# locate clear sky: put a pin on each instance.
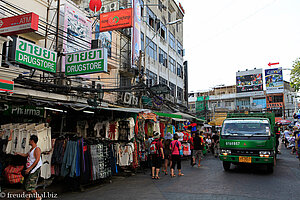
(224, 36)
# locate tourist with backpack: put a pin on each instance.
(176, 149)
(157, 154)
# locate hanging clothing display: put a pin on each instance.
(82, 127)
(162, 127)
(113, 133)
(125, 154)
(156, 127)
(100, 128)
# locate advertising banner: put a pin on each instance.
(274, 80)
(249, 81)
(19, 24)
(77, 30)
(86, 62)
(35, 56)
(136, 33)
(116, 20)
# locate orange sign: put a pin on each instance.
(275, 105)
(116, 20)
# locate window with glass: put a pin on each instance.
(151, 48)
(179, 93)
(173, 89)
(179, 48)
(163, 81)
(160, 5)
(172, 65)
(163, 57)
(246, 127)
(151, 18)
(179, 70)
(172, 41)
(162, 30)
(151, 78)
(142, 41)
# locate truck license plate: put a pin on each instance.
(244, 159)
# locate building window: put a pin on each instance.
(142, 41)
(179, 93)
(142, 7)
(172, 65)
(173, 89)
(172, 41)
(151, 78)
(163, 57)
(160, 5)
(169, 17)
(162, 31)
(179, 70)
(151, 48)
(151, 18)
(163, 81)
(179, 48)
(227, 103)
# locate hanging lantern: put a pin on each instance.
(95, 5)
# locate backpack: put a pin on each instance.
(153, 147)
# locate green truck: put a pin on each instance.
(248, 138)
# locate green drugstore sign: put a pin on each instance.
(86, 62)
(35, 56)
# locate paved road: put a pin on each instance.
(208, 182)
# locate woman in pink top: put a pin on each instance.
(175, 147)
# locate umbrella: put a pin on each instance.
(284, 121)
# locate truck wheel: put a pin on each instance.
(226, 165)
(270, 168)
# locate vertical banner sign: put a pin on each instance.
(274, 80)
(86, 62)
(77, 31)
(35, 56)
(136, 36)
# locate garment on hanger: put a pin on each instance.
(100, 127)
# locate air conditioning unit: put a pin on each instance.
(104, 9)
(114, 6)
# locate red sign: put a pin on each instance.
(19, 24)
(273, 64)
(116, 20)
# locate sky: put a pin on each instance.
(224, 36)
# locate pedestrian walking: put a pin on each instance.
(198, 149)
(175, 148)
(192, 147)
(34, 163)
(167, 155)
(157, 154)
(216, 145)
(298, 144)
(208, 142)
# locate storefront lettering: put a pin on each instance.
(23, 110)
(35, 56)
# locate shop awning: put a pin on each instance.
(132, 110)
(185, 116)
(179, 120)
(200, 120)
(168, 115)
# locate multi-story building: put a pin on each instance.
(224, 99)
